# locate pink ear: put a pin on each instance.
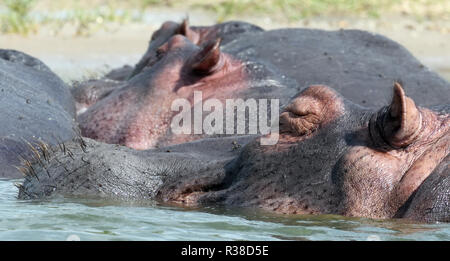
(209, 59)
(403, 120)
(186, 30)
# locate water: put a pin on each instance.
(89, 220)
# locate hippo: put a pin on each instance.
(333, 156)
(89, 92)
(227, 32)
(358, 64)
(139, 113)
(37, 108)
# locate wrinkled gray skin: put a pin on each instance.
(36, 105)
(297, 176)
(360, 65)
(112, 171)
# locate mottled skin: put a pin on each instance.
(89, 92)
(139, 113)
(333, 157)
(35, 106)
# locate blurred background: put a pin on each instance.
(85, 38)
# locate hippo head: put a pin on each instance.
(195, 34)
(161, 37)
(138, 114)
(333, 157)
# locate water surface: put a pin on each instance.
(62, 219)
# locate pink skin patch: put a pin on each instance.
(380, 178)
(139, 115)
(379, 182)
(377, 178)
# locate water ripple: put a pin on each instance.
(61, 219)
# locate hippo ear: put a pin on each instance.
(209, 59)
(402, 121)
(186, 30)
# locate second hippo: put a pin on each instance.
(264, 64)
(36, 107)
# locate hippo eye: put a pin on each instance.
(298, 125)
(301, 117)
(313, 107)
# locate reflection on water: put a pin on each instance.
(60, 219)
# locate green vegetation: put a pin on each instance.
(18, 16)
(88, 21)
(294, 10)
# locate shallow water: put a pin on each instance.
(63, 219)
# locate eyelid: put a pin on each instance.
(294, 110)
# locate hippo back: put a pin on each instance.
(360, 65)
(36, 105)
